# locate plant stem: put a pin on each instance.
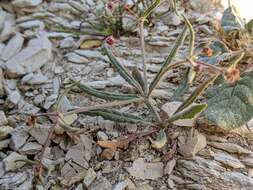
(210, 67)
(152, 108)
(144, 68)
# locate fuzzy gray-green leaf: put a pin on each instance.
(116, 116)
(250, 26)
(189, 113)
(230, 20)
(138, 77)
(230, 106)
(196, 93)
(179, 42)
(184, 85)
(121, 69)
(105, 95)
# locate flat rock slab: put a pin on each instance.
(30, 59)
(14, 161)
(230, 147)
(26, 3)
(142, 170)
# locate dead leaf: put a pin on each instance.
(113, 144)
(107, 154)
(122, 142)
(89, 44)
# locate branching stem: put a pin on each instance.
(144, 68)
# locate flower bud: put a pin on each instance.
(208, 51)
(110, 40)
(232, 75)
(110, 5)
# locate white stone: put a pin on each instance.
(30, 148)
(228, 160)
(67, 42)
(18, 139)
(26, 3)
(142, 170)
(32, 24)
(89, 177)
(5, 131)
(14, 97)
(30, 59)
(102, 136)
(169, 166)
(7, 22)
(75, 58)
(13, 47)
(3, 119)
(37, 79)
(193, 145)
(13, 161)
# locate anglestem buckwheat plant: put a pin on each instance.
(144, 90)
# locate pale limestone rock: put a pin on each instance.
(26, 3)
(13, 47)
(13, 161)
(31, 58)
(142, 170)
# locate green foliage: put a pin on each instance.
(191, 72)
(188, 113)
(179, 42)
(121, 69)
(183, 87)
(230, 106)
(249, 26)
(135, 79)
(196, 93)
(116, 116)
(150, 9)
(138, 77)
(230, 20)
(236, 33)
(105, 95)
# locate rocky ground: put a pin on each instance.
(36, 65)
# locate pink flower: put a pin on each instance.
(110, 40)
(110, 5)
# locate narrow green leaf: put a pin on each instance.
(179, 42)
(121, 69)
(150, 9)
(196, 93)
(189, 113)
(116, 116)
(105, 95)
(192, 35)
(184, 85)
(138, 77)
(250, 26)
(191, 73)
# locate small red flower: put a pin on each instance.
(110, 40)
